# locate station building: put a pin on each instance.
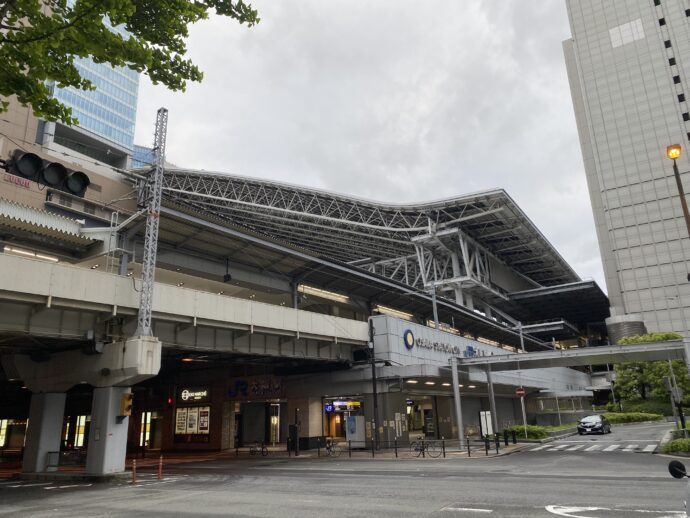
(274, 305)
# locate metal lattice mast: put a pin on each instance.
(154, 186)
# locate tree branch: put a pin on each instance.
(48, 34)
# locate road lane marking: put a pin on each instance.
(593, 448)
(630, 447)
(559, 447)
(650, 448)
(467, 510)
(541, 447)
(574, 448)
(612, 447)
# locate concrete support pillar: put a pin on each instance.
(457, 400)
(295, 294)
(469, 301)
(108, 433)
(45, 429)
(686, 345)
(492, 399)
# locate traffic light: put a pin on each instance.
(51, 174)
(126, 402)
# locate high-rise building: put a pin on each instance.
(106, 115)
(629, 69)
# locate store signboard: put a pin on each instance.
(190, 395)
(407, 343)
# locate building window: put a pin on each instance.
(689, 135)
(89, 208)
(686, 116)
(65, 201)
(657, 2)
(667, 44)
(687, 12)
(672, 61)
(662, 21)
(676, 79)
(681, 98)
(626, 33)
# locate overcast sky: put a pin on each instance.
(392, 100)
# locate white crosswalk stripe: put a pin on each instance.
(601, 447)
(559, 447)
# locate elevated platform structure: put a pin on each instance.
(478, 250)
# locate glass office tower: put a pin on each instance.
(106, 115)
(629, 69)
(110, 110)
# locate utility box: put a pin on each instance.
(354, 430)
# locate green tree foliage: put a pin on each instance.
(40, 39)
(645, 380)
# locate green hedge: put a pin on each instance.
(631, 417)
(649, 338)
(533, 431)
(677, 445)
(647, 406)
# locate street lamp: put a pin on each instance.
(673, 152)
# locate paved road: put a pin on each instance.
(522, 485)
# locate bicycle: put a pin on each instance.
(255, 449)
(427, 447)
(332, 449)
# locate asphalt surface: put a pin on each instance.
(529, 484)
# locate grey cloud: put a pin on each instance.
(392, 100)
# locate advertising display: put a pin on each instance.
(192, 420)
(204, 419)
(181, 421)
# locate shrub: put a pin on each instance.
(647, 406)
(533, 431)
(677, 445)
(631, 417)
(649, 338)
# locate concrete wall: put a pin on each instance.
(116, 294)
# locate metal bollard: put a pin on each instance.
(443, 447)
(497, 441)
(134, 471)
(237, 451)
(318, 447)
(289, 448)
(505, 437)
(514, 437)
(486, 444)
(423, 448)
(395, 445)
(373, 448)
(160, 467)
(349, 449)
(469, 453)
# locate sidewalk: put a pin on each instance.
(12, 469)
